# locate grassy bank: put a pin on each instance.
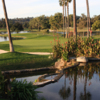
(16, 61)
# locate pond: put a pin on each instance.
(15, 32)
(4, 39)
(79, 83)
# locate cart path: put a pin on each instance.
(35, 53)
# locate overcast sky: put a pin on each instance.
(33, 8)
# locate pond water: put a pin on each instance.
(4, 39)
(79, 83)
(15, 32)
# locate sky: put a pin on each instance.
(34, 8)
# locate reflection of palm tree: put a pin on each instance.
(75, 82)
(88, 96)
(65, 93)
(8, 29)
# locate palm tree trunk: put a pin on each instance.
(66, 23)
(74, 18)
(63, 18)
(68, 17)
(7, 26)
(88, 19)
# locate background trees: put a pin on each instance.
(96, 25)
(56, 21)
(41, 22)
(17, 27)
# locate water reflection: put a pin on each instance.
(81, 83)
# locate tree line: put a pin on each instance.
(54, 22)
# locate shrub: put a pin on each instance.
(2, 81)
(81, 47)
(21, 90)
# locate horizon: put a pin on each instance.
(35, 8)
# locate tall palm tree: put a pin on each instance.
(7, 26)
(68, 1)
(74, 18)
(88, 19)
(65, 18)
(62, 3)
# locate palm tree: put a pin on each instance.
(62, 3)
(88, 19)
(65, 19)
(7, 26)
(68, 1)
(74, 18)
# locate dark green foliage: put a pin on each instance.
(21, 90)
(56, 21)
(96, 25)
(41, 22)
(26, 25)
(2, 81)
(17, 27)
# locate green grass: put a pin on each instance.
(34, 42)
(16, 61)
(3, 30)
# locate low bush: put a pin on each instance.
(81, 47)
(21, 90)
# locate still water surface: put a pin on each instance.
(2, 39)
(79, 83)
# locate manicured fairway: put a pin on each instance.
(34, 42)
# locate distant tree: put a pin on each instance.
(17, 27)
(26, 25)
(82, 22)
(41, 22)
(71, 20)
(56, 21)
(96, 25)
(2, 23)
